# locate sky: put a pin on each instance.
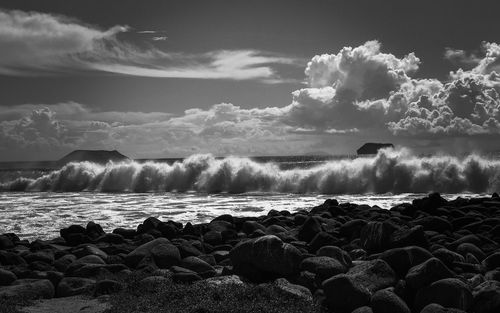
(157, 79)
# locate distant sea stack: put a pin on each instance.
(96, 156)
(372, 148)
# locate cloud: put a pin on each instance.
(45, 44)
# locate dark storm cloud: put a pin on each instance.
(45, 44)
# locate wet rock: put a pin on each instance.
(436, 308)
(426, 273)
(265, 258)
(486, 297)
(352, 229)
(309, 229)
(6, 277)
(72, 286)
(10, 258)
(5, 243)
(85, 250)
(448, 257)
(324, 267)
(343, 294)
(336, 253)
(64, 262)
(384, 301)
(94, 230)
(448, 292)
(492, 261)
(293, 290)
(320, 240)
(160, 250)
(376, 236)
(153, 282)
(434, 223)
(373, 275)
(466, 247)
(198, 266)
(402, 259)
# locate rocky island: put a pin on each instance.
(428, 256)
(372, 148)
(95, 156)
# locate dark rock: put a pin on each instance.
(5, 243)
(265, 258)
(10, 258)
(343, 294)
(373, 148)
(249, 227)
(448, 292)
(404, 237)
(375, 236)
(373, 275)
(106, 287)
(199, 266)
(111, 238)
(72, 286)
(384, 301)
(63, 262)
(363, 309)
(466, 247)
(161, 250)
(213, 237)
(186, 277)
(323, 266)
(126, 233)
(292, 290)
(6, 277)
(486, 297)
(434, 223)
(448, 257)
(153, 282)
(94, 230)
(85, 250)
(73, 233)
(492, 261)
(402, 259)
(436, 308)
(309, 229)
(336, 253)
(426, 273)
(46, 256)
(352, 229)
(320, 240)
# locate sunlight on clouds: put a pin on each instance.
(44, 44)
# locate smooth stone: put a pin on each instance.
(72, 286)
(384, 301)
(426, 273)
(6, 277)
(28, 289)
(448, 292)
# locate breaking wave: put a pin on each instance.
(390, 171)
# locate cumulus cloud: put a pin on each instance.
(45, 44)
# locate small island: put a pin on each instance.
(372, 148)
(96, 156)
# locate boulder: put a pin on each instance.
(293, 290)
(72, 286)
(448, 292)
(491, 262)
(373, 275)
(402, 259)
(198, 266)
(309, 229)
(436, 308)
(343, 294)
(447, 256)
(335, 252)
(323, 266)
(486, 297)
(426, 273)
(376, 236)
(5, 242)
(384, 301)
(466, 247)
(160, 250)
(6, 277)
(265, 258)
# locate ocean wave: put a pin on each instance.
(390, 171)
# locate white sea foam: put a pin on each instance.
(390, 171)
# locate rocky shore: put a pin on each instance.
(428, 256)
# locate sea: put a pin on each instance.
(36, 200)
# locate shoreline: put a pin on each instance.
(410, 258)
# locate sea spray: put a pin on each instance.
(390, 171)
